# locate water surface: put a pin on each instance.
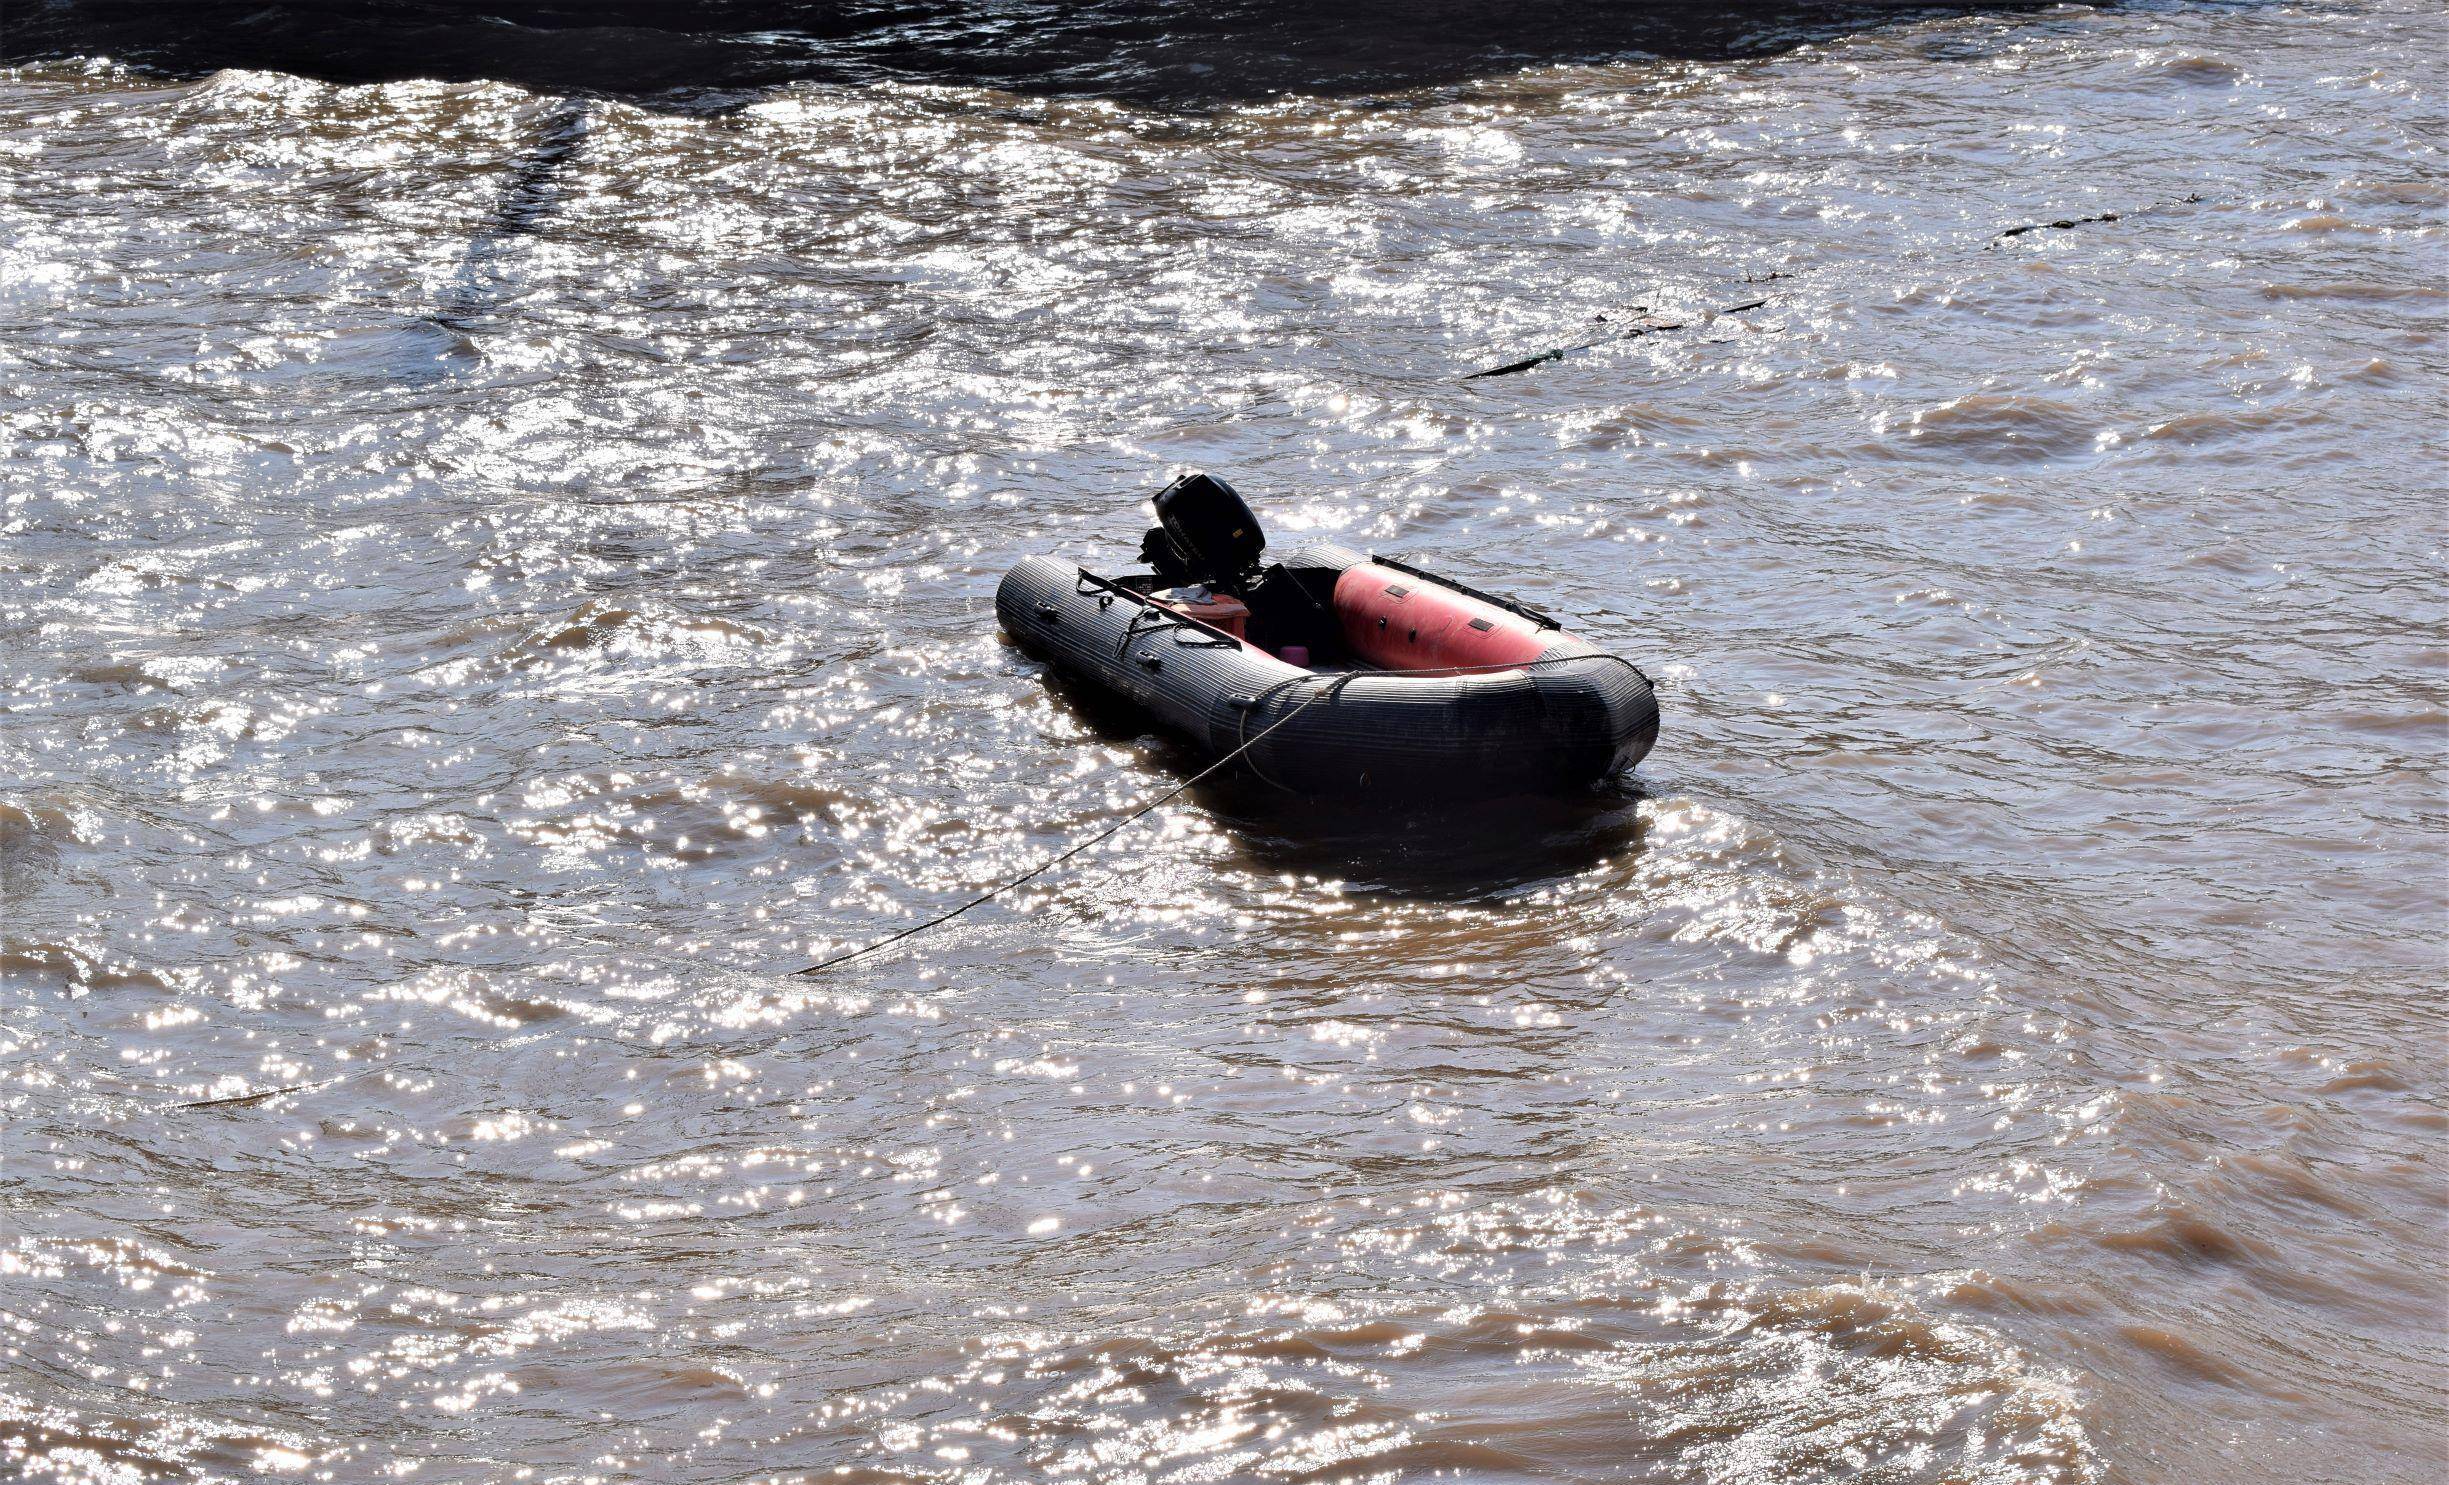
(489, 579)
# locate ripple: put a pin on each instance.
(2005, 428)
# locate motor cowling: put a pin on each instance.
(1207, 531)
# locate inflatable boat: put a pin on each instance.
(1332, 671)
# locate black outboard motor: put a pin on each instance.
(1205, 534)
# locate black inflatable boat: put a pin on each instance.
(1354, 673)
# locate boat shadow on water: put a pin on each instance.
(1412, 849)
(1480, 851)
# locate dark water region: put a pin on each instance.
(717, 53)
(490, 579)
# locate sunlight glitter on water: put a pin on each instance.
(465, 641)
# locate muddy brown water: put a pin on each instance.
(473, 609)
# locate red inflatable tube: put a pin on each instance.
(1398, 622)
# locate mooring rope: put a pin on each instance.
(1051, 862)
(265, 1095)
(1650, 324)
(2066, 224)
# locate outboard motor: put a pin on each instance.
(1205, 534)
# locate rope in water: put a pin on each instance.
(2068, 224)
(265, 1095)
(1051, 862)
(1651, 324)
(1648, 324)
